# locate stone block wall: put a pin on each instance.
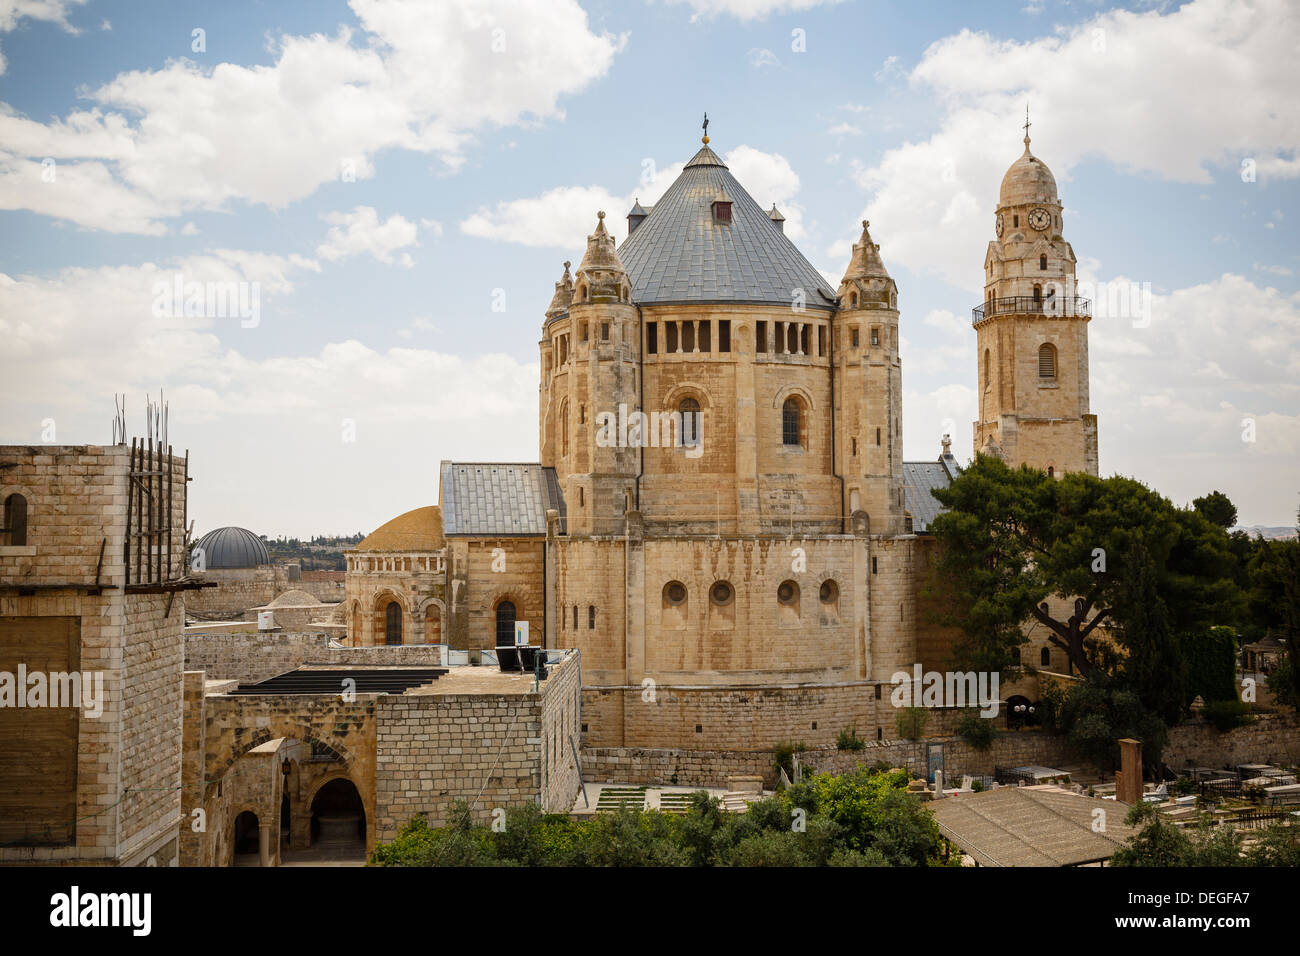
(258, 655)
(486, 749)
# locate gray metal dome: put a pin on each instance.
(232, 548)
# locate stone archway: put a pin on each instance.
(338, 820)
(245, 847)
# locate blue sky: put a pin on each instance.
(484, 137)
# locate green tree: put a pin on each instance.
(1217, 508)
(1123, 556)
(1275, 598)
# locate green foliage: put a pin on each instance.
(1275, 599)
(849, 740)
(1095, 713)
(1282, 682)
(977, 731)
(865, 818)
(1211, 665)
(783, 756)
(1217, 508)
(1159, 842)
(1134, 563)
(1226, 714)
(911, 722)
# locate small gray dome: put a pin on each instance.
(232, 548)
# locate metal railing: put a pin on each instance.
(1065, 305)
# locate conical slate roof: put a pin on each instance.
(679, 254)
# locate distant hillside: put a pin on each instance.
(324, 553)
(1269, 534)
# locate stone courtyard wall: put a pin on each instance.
(486, 749)
(256, 656)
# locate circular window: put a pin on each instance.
(829, 592)
(721, 593)
(787, 593)
(675, 592)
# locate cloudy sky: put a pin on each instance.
(400, 182)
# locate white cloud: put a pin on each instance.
(564, 216)
(421, 77)
(12, 12)
(845, 129)
(1115, 87)
(232, 409)
(360, 231)
(745, 10)
(760, 57)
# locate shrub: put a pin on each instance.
(849, 739)
(977, 731)
(911, 722)
(1226, 714)
(783, 756)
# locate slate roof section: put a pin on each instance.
(497, 498)
(679, 254)
(1026, 826)
(920, 478)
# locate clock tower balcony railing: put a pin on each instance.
(1063, 305)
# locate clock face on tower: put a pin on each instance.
(1040, 219)
(998, 226)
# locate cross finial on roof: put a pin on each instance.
(705, 138)
(1027, 124)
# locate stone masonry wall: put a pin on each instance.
(251, 657)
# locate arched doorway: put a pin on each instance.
(338, 820)
(285, 819)
(247, 846)
(506, 624)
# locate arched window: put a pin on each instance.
(591, 617)
(721, 594)
(15, 526)
(1045, 657)
(790, 422)
(988, 369)
(674, 593)
(564, 429)
(853, 300)
(506, 624)
(1042, 262)
(393, 623)
(690, 415)
(1038, 294)
(1051, 472)
(675, 608)
(1047, 360)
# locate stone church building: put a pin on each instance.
(721, 519)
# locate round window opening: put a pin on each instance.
(721, 593)
(676, 592)
(829, 592)
(786, 593)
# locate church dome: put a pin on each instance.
(1028, 181)
(232, 548)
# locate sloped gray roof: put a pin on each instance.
(679, 254)
(1022, 826)
(495, 498)
(919, 479)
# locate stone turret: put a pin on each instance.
(870, 439)
(597, 470)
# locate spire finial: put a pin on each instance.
(1027, 125)
(705, 138)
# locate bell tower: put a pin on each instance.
(1032, 333)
